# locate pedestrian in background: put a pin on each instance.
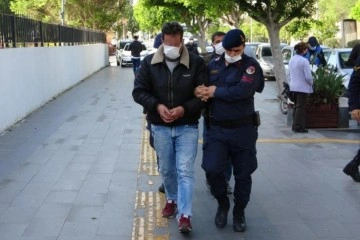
(301, 84)
(353, 92)
(165, 86)
(315, 53)
(135, 48)
(233, 80)
(216, 42)
(192, 47)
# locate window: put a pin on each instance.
(286, 54)
(343, 58)
(332, 59)
(266, 52)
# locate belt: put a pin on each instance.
(233, 123)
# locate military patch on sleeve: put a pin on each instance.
(356, 68)
(247, 79)
(250, 70)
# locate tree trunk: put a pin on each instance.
(202, 24)
(202, 38)
(274, 30)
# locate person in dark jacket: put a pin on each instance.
(234, 78)
(352, 168)
(165, 86)
(216, 42)
(135, 48)
(192, 47)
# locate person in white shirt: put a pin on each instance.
(301, 83)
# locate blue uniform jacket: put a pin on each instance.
(354, 87)
(315, 56)
(236, 85)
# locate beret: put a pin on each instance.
(313, 41)
(233, 38)
(158, 41)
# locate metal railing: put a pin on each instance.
(18, 31)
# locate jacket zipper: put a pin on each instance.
(171, 88)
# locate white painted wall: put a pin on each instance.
(30, 77)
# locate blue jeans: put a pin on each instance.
(176, 148)
(136, 64)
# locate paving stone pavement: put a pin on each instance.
(72, 171)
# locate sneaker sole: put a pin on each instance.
(185, 229)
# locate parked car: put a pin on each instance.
(120, 47)
(336, 60)
(288, 52)
(265, 59)
(253, 45)
(124, 58)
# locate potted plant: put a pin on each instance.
(322, 109)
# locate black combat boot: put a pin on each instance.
(239, 223)
(222, 212)
(352, 168)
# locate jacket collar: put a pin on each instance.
(159, 56)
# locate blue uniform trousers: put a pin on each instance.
(237, 145)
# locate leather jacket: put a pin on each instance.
(156, 84)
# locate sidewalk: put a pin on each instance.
(80, 168)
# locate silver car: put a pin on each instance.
(265, 59)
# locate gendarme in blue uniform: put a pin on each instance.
(232, 131)
(236, 85)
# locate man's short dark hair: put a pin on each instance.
(136, 37)
(216, 34)
(172, 28)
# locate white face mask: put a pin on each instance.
(232, 59)
(312, 48)
(171, 52)
(219, 49)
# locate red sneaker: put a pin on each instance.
(169, 210)
(184, 224)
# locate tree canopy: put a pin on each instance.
(275, 14)
(95, 14)
(355, 11)
(5, 6)
(151, 18)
